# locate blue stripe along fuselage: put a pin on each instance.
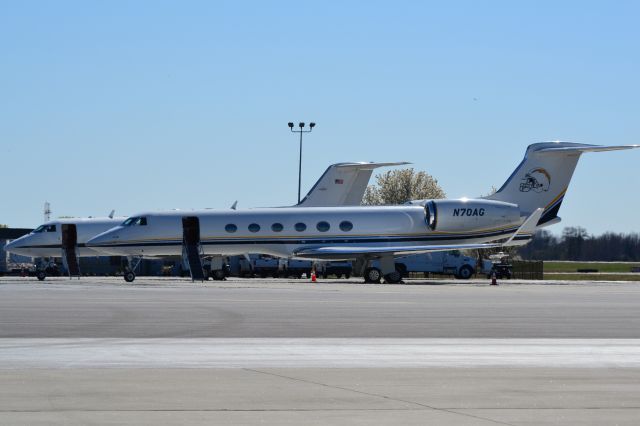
(311, 240)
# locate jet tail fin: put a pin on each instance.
(542, 178)
(342, 184)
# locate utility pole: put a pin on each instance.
(301, 131)
(47, 211)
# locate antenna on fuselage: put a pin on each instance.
(234, 205)
(111, 214)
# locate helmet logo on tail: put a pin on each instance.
(536, 180)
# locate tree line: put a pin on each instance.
(575, 243)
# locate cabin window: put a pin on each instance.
(323, 226)
(277, 227)
(346, 226)
(300, 227)
(254, 227)
(231, 228)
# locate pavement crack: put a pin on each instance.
(376, 395)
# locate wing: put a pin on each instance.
(353, 252)
(522, 236)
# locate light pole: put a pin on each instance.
(301, 131)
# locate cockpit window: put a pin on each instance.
(45, 228)
(133, 221)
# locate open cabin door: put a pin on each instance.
(70, 249)
(191, 248)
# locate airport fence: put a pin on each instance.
(528, 269)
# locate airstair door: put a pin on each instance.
(69, 249)
(191, 249)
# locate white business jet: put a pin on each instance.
(530, 197)
(342, 184)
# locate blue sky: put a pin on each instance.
(155, 105)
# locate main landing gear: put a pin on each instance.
(374, 276)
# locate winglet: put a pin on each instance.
(526, 230)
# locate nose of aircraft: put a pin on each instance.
(15, 246)
(104, 242)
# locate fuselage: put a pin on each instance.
(284, 231)
(46, 239)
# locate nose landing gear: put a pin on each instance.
(129, 270)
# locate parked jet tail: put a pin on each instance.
(542, 178)
(342, 184)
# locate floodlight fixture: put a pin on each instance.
(301, 131)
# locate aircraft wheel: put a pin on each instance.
(465, 272)
(129, 276)
(41, 275)
(372, 275)
(217, 275)
(393, 278)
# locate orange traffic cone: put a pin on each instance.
(313, 276)
(494, 280)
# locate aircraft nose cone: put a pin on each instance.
(15, 247)
(104, 242)
(98, 240)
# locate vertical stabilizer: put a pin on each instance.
(342, 184)
(542, 178)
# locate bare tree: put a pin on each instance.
(400, 186)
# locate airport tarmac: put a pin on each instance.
(100, 351)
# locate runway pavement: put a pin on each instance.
(297, 308)
(99, 351)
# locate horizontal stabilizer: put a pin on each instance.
(588, 148)
(370, 165)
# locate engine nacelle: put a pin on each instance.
(470, 215)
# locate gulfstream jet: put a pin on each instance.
(65, 238)
(530, 197)
(342, 184)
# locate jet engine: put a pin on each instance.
(470, 215)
